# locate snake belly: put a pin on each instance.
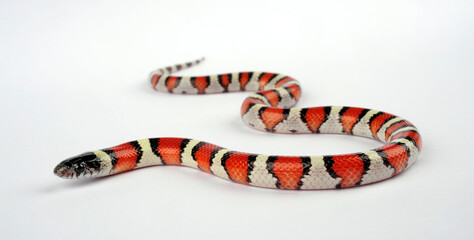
(268, 109)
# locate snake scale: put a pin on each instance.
(268, 109)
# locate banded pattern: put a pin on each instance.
(269, 109)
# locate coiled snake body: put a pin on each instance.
(269, 109)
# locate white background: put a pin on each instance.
(73, 79)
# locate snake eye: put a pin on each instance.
(79, 170)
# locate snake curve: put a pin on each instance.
(268, 109)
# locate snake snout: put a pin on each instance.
(64, 170)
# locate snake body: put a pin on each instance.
(268, 109)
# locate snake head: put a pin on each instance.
(80, 166)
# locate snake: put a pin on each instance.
(269, 108)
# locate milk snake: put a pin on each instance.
(269, 109)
